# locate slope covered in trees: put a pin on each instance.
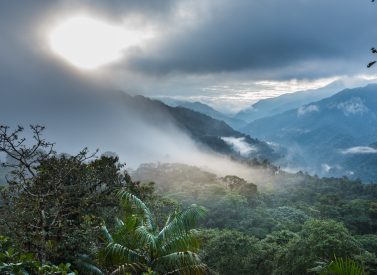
(330, 137)
(205, 130)
(294, 224)
(63, 214)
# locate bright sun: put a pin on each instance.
(89, 43)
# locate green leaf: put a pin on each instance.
(134, 202)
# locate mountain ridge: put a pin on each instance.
(207, 110)
(201, 127)
(322, 131)
(286, 102)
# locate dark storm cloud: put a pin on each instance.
(214, 36)
(111, 7)
(299, 38)
(266, 35)
(248, 40)
(120, 7)
(26, 62)
(79, 109)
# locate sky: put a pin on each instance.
(228, 53)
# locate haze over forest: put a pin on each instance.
(264, 113)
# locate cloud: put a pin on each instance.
(326, 167)
(272, 36)
(122, 7)
(307, 109)
(264, 36)
(352, 106)
(239, 145)
(222, 50)
(226, 53)
(359, 150)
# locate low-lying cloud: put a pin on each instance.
(239, 145)
(303, 110)
(354, 106)
(359, 150)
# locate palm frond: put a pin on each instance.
(339, 266)
(133, 268)
(106, 234)
(118, 222)
(177, 260)
(169, 219)
(88, 268)
(183, 243)
(85, 265)
(125, 233)
(182, 222)
(136, 245)
(132, 201)
(146, 237)
(120, 253)
(200, 269)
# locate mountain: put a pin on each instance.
(285, 102)
(207, 110)
(365, 163)
(82, 109)
(328, 137)
(208, 132)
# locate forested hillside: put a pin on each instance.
(331, 137)
(285, 227)
(188, 137)
(205, 130)
(86, 214)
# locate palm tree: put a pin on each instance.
(343, 267)
(138, 246)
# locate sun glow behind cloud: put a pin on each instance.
(89, 43)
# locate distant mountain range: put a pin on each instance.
(211, 133)
(334, 136)
(135, 127)
(79, 110)
(262, 108)
(328, 131)
(329, 137)
(200, 107)
(285, 102)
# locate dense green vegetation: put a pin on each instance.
(14, 262)
(83, 214)
(139, 245)
(293, 224)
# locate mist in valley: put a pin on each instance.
(259, 157)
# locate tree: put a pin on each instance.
(374, 51)
(339, 266)
(12, 261)
(138, 245)
(370, 64)
(234, 252)
(319, 240)
(230, 251)
(53, 202)
(289, 217)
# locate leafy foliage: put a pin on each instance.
(12, 261)
(339, 266)
(285, 228)
(53, 203)
(54, 207)
(138, 245)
